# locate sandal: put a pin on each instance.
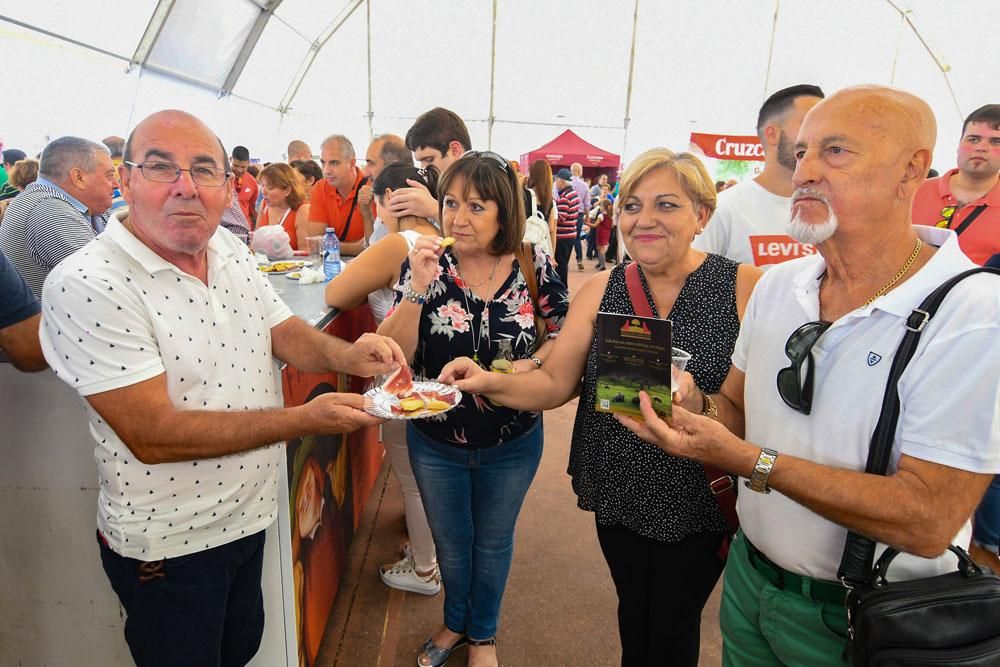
(492, 641)
(438, 654)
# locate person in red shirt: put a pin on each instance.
(967, 199)
(244, 184)
(334, 200)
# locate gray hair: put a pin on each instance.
(346, 147)
(65, 153)
(393, 149)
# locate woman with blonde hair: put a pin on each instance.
(658, 522)
(284, 202)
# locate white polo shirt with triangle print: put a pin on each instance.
(949, 394)
(115, 314)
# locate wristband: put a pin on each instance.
(708, 407)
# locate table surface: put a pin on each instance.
(306, 301)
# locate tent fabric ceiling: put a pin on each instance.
(308, 68)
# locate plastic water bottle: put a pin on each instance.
(331, 254)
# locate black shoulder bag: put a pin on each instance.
(354, 204)
(949, 619)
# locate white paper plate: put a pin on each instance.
(380, 402)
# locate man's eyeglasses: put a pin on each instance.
(168, 172)
(490, 155)
(795, 390)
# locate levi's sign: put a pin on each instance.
(729, 147)
(777, 248)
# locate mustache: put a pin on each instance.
(803, 193)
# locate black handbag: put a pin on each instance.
(949, 619)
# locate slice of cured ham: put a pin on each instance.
(400, 382)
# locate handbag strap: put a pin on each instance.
(969, 218)
(859, 551)
(720, 483)
(354, 204)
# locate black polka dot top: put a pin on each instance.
(632, 483)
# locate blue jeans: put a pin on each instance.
(472, 498)
(986, 524)
(204, 608)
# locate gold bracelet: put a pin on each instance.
(708, 407)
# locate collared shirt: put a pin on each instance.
(934, 204)
(116, 314)
(329, 208)
(582, 193)
(246, 189)
(949, 394)
(568, 207)
(41, 227)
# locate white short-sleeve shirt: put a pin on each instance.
(749, 226)
(115, 314)
(949, 394)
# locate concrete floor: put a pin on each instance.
(559, 606)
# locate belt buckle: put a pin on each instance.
(917, 327)
(716, 489)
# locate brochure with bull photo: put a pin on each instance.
(633, 355)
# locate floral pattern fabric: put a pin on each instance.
(450, 323)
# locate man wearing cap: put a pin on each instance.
(798, 416)
(568, 207)
(10, 157)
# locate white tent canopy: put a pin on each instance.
(624, 74)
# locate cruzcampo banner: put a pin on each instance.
(729, 156)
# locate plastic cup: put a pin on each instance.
(315, 246)
(678, 362)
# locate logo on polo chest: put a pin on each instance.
(874, 358)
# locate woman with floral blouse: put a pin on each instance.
(474, 463)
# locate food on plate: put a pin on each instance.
(424, 403)
(399, 383)
(447, 241)
(281, 267)
(411, 404)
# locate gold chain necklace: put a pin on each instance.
(902, 272)
(480, 283)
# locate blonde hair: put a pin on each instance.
(685, 167)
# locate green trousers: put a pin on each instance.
(763, 625)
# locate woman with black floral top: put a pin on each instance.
(474, 463)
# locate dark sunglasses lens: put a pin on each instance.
(789, 389)
(803, 339)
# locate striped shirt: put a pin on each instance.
(43, 226)
(568, 205)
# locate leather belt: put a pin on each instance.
(807, 587)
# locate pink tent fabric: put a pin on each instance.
(568, 148)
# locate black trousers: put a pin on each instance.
(564, 250)
(662, 588)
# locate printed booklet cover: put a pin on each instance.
(633, 355)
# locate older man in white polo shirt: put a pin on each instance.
(168, 330)
(861, 155)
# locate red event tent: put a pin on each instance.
(568, 148)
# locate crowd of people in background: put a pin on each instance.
(124, 268)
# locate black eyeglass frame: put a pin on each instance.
(142, 166)
(796, 391)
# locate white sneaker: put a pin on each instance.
(403, 576)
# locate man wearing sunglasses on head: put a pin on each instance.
(809, 371)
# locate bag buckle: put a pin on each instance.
(912, 323)
(726, 484)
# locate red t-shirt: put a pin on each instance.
(245, 188)
(329, 208)
(934, 203)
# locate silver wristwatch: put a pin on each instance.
(761, 471)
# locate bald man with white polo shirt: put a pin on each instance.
(169, 332)
(861, 155)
